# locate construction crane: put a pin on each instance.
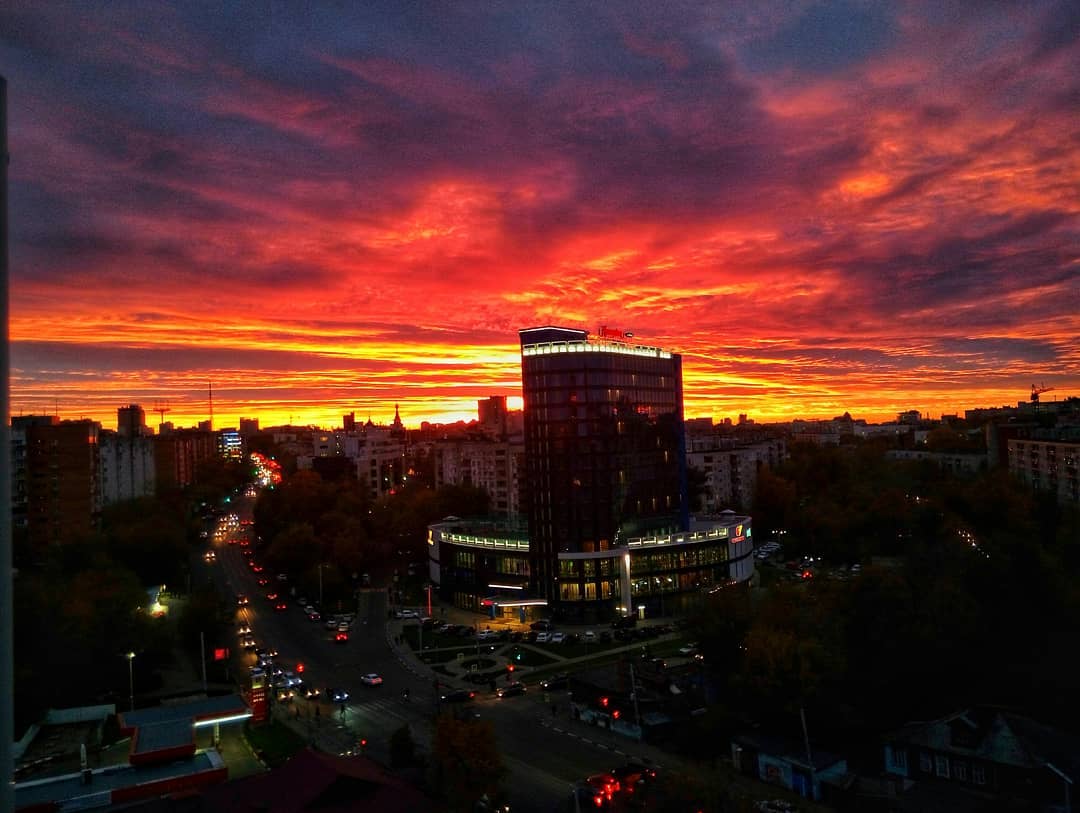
(1037, 391)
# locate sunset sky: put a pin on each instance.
(335, 207)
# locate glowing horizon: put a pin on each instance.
(825, 208)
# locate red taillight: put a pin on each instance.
(598, 800)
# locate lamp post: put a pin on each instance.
(131, 680)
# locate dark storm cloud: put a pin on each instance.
(826, 37)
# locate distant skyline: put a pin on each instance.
(331, 208)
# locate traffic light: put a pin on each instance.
(363, 745)
(616, 714)
(509, 667)
(299, 668)
(604, 702)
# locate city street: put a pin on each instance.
(545, 756)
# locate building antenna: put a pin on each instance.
(161, 407)
(210, 384)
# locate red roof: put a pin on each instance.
(313, 781)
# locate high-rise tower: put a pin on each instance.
(605, 460)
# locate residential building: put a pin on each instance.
(131, 421)
(989, 752)
(496, 466)
(63, 481)
(1048, 464)
(127, 466)
(731, 471)
(178, 454)
(20, 427)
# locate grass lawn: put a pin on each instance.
(275, 742)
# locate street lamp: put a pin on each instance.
(131, 680)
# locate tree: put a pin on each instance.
(467, 760)
(402, 747)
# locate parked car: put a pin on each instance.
(543, 625)
(511, 689)
(588, 637)
(543, 637)
(371, 679)
(558, 637)
(486, 635)
(309, 692)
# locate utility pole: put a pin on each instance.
(633, 696)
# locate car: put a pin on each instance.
(313, 615)
(486, 635)
(558, 637)
(342, 627)
(263, 581)
(244, 628)
(341, 637)
(248, 643)
(210, 556)
(458, 696)
(331, 622)
(284, 694)
(689, 649)
(281, 605)
(292, 679)
(407, 614)
(282, 577)
(560, 681)
(588, 637)
(242, 600)
(271, 596)
(543, 625)
(543, 637)
(586, 797)
(310, 692)
(337, 695)
(634, 776)
(511, 689)
(624, 622)
(371, 679)
(269, 653)
(605, 784)
(258, 568)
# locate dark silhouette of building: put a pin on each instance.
(63, 483)
(605, 460)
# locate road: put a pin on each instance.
(543, 762)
